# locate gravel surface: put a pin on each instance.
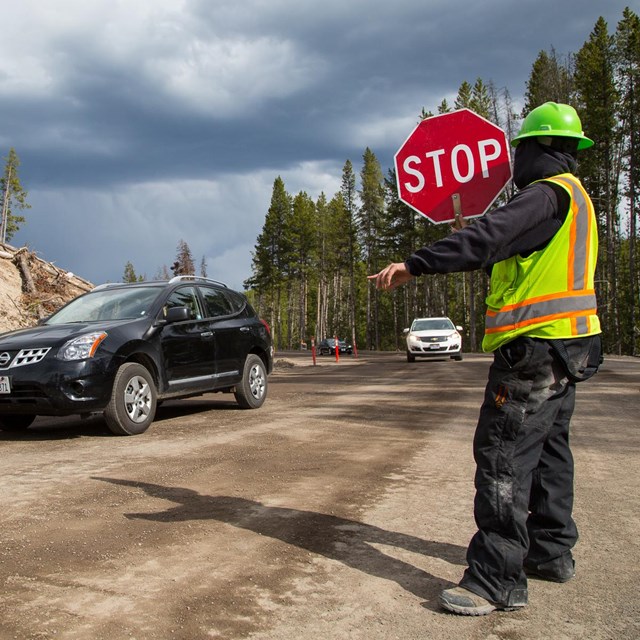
(338, 510)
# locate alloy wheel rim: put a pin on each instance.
(137, 399)
(256, 381)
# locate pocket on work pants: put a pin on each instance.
(501, 419)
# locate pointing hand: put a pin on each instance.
(392, 276)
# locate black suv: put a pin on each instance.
(121, 348)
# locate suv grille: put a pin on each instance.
(29, 356)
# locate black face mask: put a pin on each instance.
(535, 161)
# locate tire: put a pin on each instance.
(410, 357)
(458, 357)
(132, 407)
(16, 421)
(251, 391)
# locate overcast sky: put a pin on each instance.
(143, 122)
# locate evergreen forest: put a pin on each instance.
(312, 257)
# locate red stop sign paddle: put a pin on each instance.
(456, 161)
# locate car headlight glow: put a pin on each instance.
(82, 347)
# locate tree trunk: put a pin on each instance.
(21, 259)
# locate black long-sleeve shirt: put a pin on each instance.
(525, 224)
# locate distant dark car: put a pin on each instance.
(121, 348)
(328, 346)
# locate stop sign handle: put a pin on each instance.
(460, 222)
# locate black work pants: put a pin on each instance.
(524, 471)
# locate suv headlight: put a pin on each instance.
(82, 347)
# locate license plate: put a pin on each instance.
(5, 384)
(435, 346)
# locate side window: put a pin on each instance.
(215, 302)
(238, 302)
(184, 297)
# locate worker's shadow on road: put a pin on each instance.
(347, 541)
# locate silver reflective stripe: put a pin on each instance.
(581, 221)
(560, 307)
(582, 325)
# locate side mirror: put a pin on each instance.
(178, 314)
(458, 327)
(405, 331)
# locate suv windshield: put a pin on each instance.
(432, 324)
(108, 304)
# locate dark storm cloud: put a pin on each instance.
(110, 104)
(365, 60)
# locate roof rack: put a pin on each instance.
(107, 285)
(197, 278)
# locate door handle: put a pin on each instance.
(206, 334)
(245, 329)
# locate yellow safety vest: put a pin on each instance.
(550, 293)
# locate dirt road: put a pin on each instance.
(337, 511)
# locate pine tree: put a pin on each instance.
(424, 114)
(130, 274)
(463, 99)
(302, 242)
(369, 226)
(480, 101)
(596, 103)
(551, 79)
(627, 73)
(323, 225)
(14, 196)
(342, 250)
(271, 259)
(183, 265)
(333, 314)
(443, 107)
(349, 194)
(203, 267)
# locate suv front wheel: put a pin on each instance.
(251, 392)
(132, 407)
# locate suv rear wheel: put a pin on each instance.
(132, 407)
(251, 392)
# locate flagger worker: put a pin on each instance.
(543, 330)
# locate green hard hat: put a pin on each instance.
(553, 119)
